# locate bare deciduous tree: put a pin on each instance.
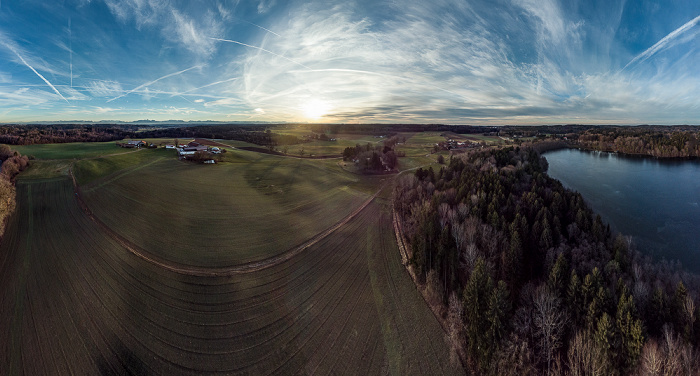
(444, 210)
(652, 361)
(549, 320)
(471, 226)
(584, 357)
(470, 255)
(458, 235)
(515, 358)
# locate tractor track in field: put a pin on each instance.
(212, 272)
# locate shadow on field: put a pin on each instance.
(122, 362)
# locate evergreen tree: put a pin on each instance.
(498, 316)
(629, 328)
(574, 298)
(557, 281)
(604, 338)
(658, 312)
(476, 298)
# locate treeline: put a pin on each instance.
(530, 281)
(384, 129)
(12, 164)
(50, 134)
(670, 142)
(253, 134)
(61, 133)
(375, 158)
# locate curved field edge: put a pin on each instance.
(76, 302)
(226, 214)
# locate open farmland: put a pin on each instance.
(75, 301)
(252, 208)
(71, 150)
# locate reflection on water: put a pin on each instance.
(655, 201)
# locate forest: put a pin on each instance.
(383, 129)
(12, 164)
(671, 142)
(254, 134)
(375, 158)
(528, 280)
(28, 134)
(61, 133)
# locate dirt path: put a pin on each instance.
(212, 272)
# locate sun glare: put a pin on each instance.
(315, 109)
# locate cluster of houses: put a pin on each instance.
(188, 151)
(132, 144)
(455, 144)
(193, 150)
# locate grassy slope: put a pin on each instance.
(218, 215)
(70, 150)
(74, 301)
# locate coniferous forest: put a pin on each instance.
(530, 281)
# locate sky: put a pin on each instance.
(482, 62)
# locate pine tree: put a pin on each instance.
(557, 281)
(476, 299)
(630, 329)
(658, 312)
(498, 316)
(574, 298)
(604, 338)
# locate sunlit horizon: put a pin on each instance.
(513, 62)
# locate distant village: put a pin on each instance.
(191, 151)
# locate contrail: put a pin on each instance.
(38, 74)
(152, 82)
(211, 84)
(261, 49)
(70, 48)
(258, 26)
(663, 42)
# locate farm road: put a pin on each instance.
(213, 272)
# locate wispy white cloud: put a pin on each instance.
(100, 88)
(264, 6)
(455, 61)
(426, 64)
(175, 25)
(193, 36)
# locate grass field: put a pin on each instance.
(218, 215)
(74, 301)
(71, 150)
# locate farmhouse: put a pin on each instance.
(132, 144)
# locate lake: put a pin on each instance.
(654, 201)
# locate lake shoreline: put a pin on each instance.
(632, 193)
(546, 147)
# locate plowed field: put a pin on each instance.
(73, 300)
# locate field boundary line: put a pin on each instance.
(212, 272)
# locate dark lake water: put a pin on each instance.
(654, 201)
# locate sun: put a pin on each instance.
(315, 109)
